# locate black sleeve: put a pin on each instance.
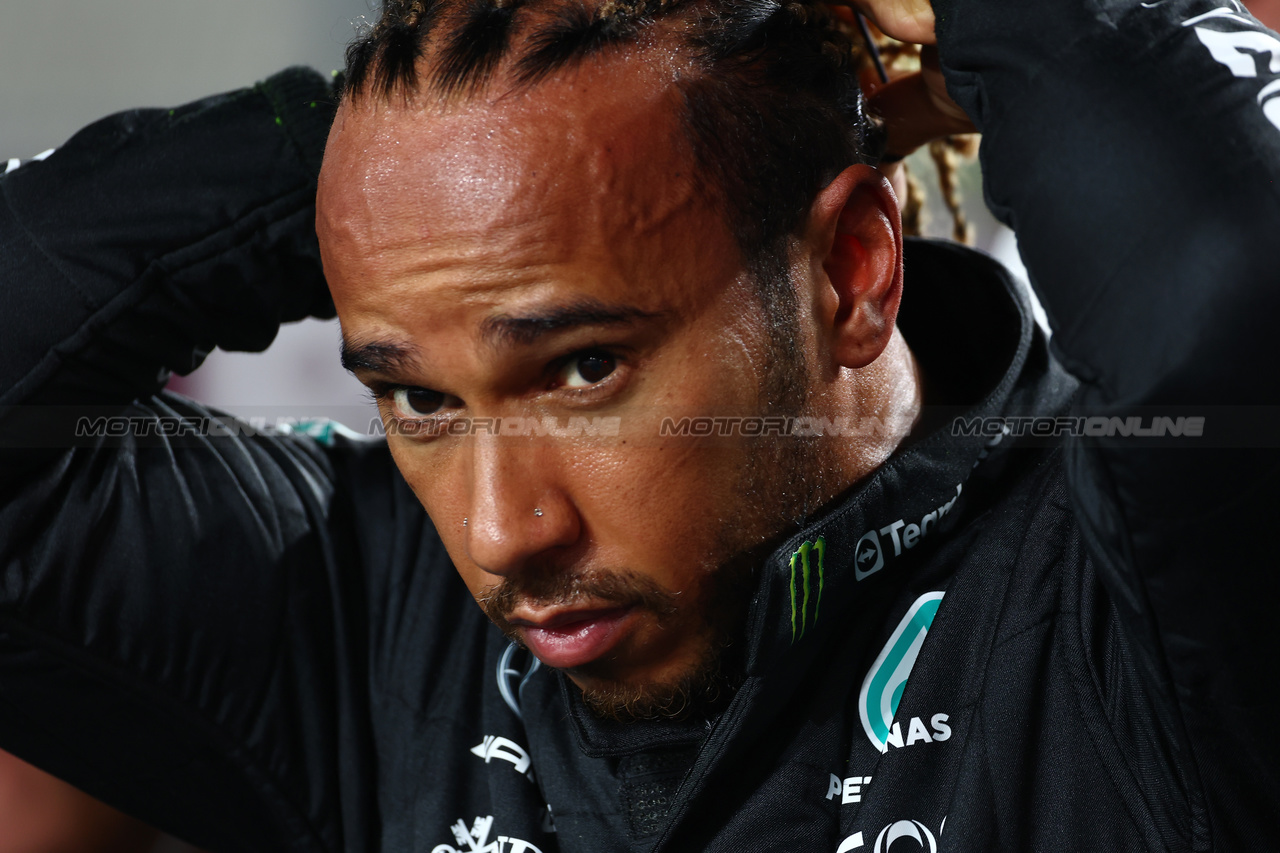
(183, 630)
(1135, 148)
(155, 235)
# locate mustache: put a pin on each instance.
(556, 588)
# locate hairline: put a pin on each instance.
(764, 264)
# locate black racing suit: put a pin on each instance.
(257, 641)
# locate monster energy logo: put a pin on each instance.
(801, 571)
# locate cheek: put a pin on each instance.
(675, 487)
(423, 473)
(657, 508)
(441, 489)
(667, 481)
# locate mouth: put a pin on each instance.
(569, 638)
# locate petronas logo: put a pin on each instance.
(806, 585)
(887, 679)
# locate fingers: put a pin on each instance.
(916, 107)
(912, 117)
(906, 20)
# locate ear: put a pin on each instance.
(855, 240)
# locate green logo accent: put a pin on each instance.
(800, 560)
(322, 430)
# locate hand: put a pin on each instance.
(917, 109)
(905, 20)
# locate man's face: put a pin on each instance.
(547, 256)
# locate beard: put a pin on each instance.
(780, 481)
(723, 593)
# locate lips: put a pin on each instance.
(572, 638)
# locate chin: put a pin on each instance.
(699, 690)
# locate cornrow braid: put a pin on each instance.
(393, 47)
(575, 33)
(946, 155)
(776, 116)
(474, 49)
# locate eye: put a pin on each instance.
(587, 368)
(410, 403)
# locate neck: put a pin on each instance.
(883, 401)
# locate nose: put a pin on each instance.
(519, 510)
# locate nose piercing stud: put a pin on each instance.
(538, 513)
(464, 522)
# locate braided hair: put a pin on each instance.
(773, 110)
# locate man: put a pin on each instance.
(781, 595)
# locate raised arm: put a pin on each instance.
(180, 630)
(146, 241)
(1135, 148)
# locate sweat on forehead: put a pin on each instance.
(512, 190)
(604, 139)
(768, 90)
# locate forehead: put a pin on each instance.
(588, 168)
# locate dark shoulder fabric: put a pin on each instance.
(151, 237)
(1135, 147)
(197, 620)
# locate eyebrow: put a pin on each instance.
(500, 332)
(506, 331)
(378, 356)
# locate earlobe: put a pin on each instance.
(856, 235)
